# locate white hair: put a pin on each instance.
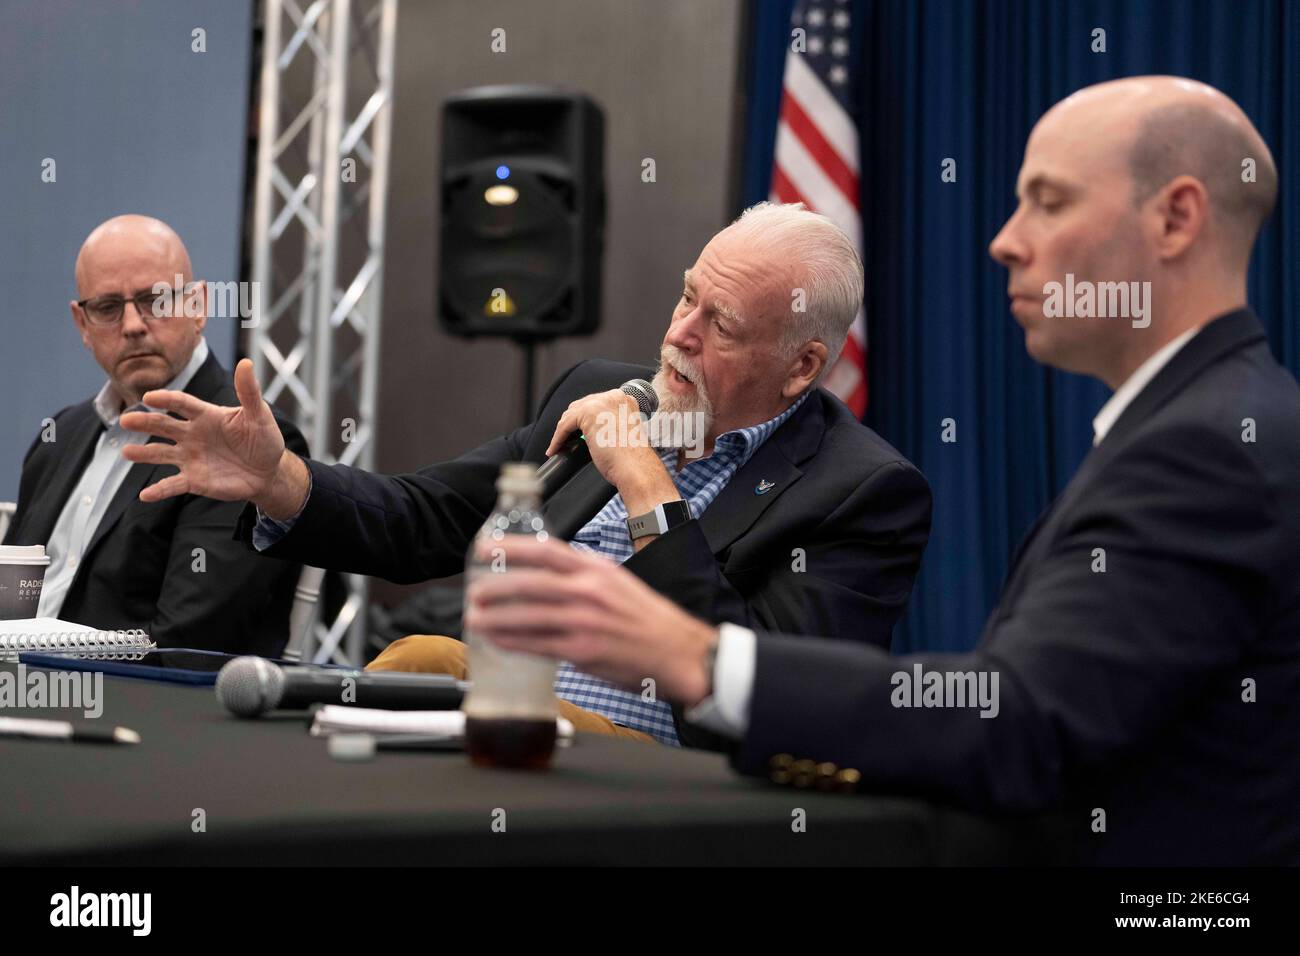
(825, 262)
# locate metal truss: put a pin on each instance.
(318, 246)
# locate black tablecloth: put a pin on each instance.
(271, 794)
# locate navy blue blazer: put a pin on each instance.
(1163, 692)
(857, 508)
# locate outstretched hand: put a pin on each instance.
(231, 454)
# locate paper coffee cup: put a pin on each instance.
(22, 572)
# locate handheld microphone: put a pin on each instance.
(251, 686)
(555, 472)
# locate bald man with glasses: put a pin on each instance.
(174, 571)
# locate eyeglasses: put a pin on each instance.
(105, 310)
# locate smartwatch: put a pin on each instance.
(664, 518)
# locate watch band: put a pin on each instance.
(665, 517)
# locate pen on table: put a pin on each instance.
(65, 730)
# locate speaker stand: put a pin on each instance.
(529, 346)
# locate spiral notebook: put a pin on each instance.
(47, 635)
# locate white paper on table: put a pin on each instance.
(337, 718)
(44, 625)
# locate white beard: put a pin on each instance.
(671, 403)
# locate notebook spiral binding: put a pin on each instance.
(129, 645)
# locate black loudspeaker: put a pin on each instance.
(523, 213)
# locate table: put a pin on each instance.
(271, 794)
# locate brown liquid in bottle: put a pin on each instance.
(510, 742)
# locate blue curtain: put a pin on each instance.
(967, 80)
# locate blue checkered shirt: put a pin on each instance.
(700, 482)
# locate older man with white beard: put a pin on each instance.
(788, 514)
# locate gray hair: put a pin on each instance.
(829, 266)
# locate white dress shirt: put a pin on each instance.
(104, 474)
(726, 712)
(1133, 385)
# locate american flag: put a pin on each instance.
(816, 160)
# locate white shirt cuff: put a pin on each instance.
(726, 712)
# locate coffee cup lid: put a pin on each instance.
(23, 554)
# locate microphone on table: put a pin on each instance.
(555, 472)
(251, 686)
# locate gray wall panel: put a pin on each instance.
(665, 73)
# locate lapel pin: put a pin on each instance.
(764, 486)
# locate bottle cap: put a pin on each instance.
(519, 478)
(353, 747)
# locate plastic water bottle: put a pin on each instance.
(510, 710)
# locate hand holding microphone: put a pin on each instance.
(575, 433)
(628, 462)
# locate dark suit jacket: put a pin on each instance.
(857, 509)
(1121, 690)
(138, 571)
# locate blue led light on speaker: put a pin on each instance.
(503, 172)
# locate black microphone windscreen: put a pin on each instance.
(647, 400)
